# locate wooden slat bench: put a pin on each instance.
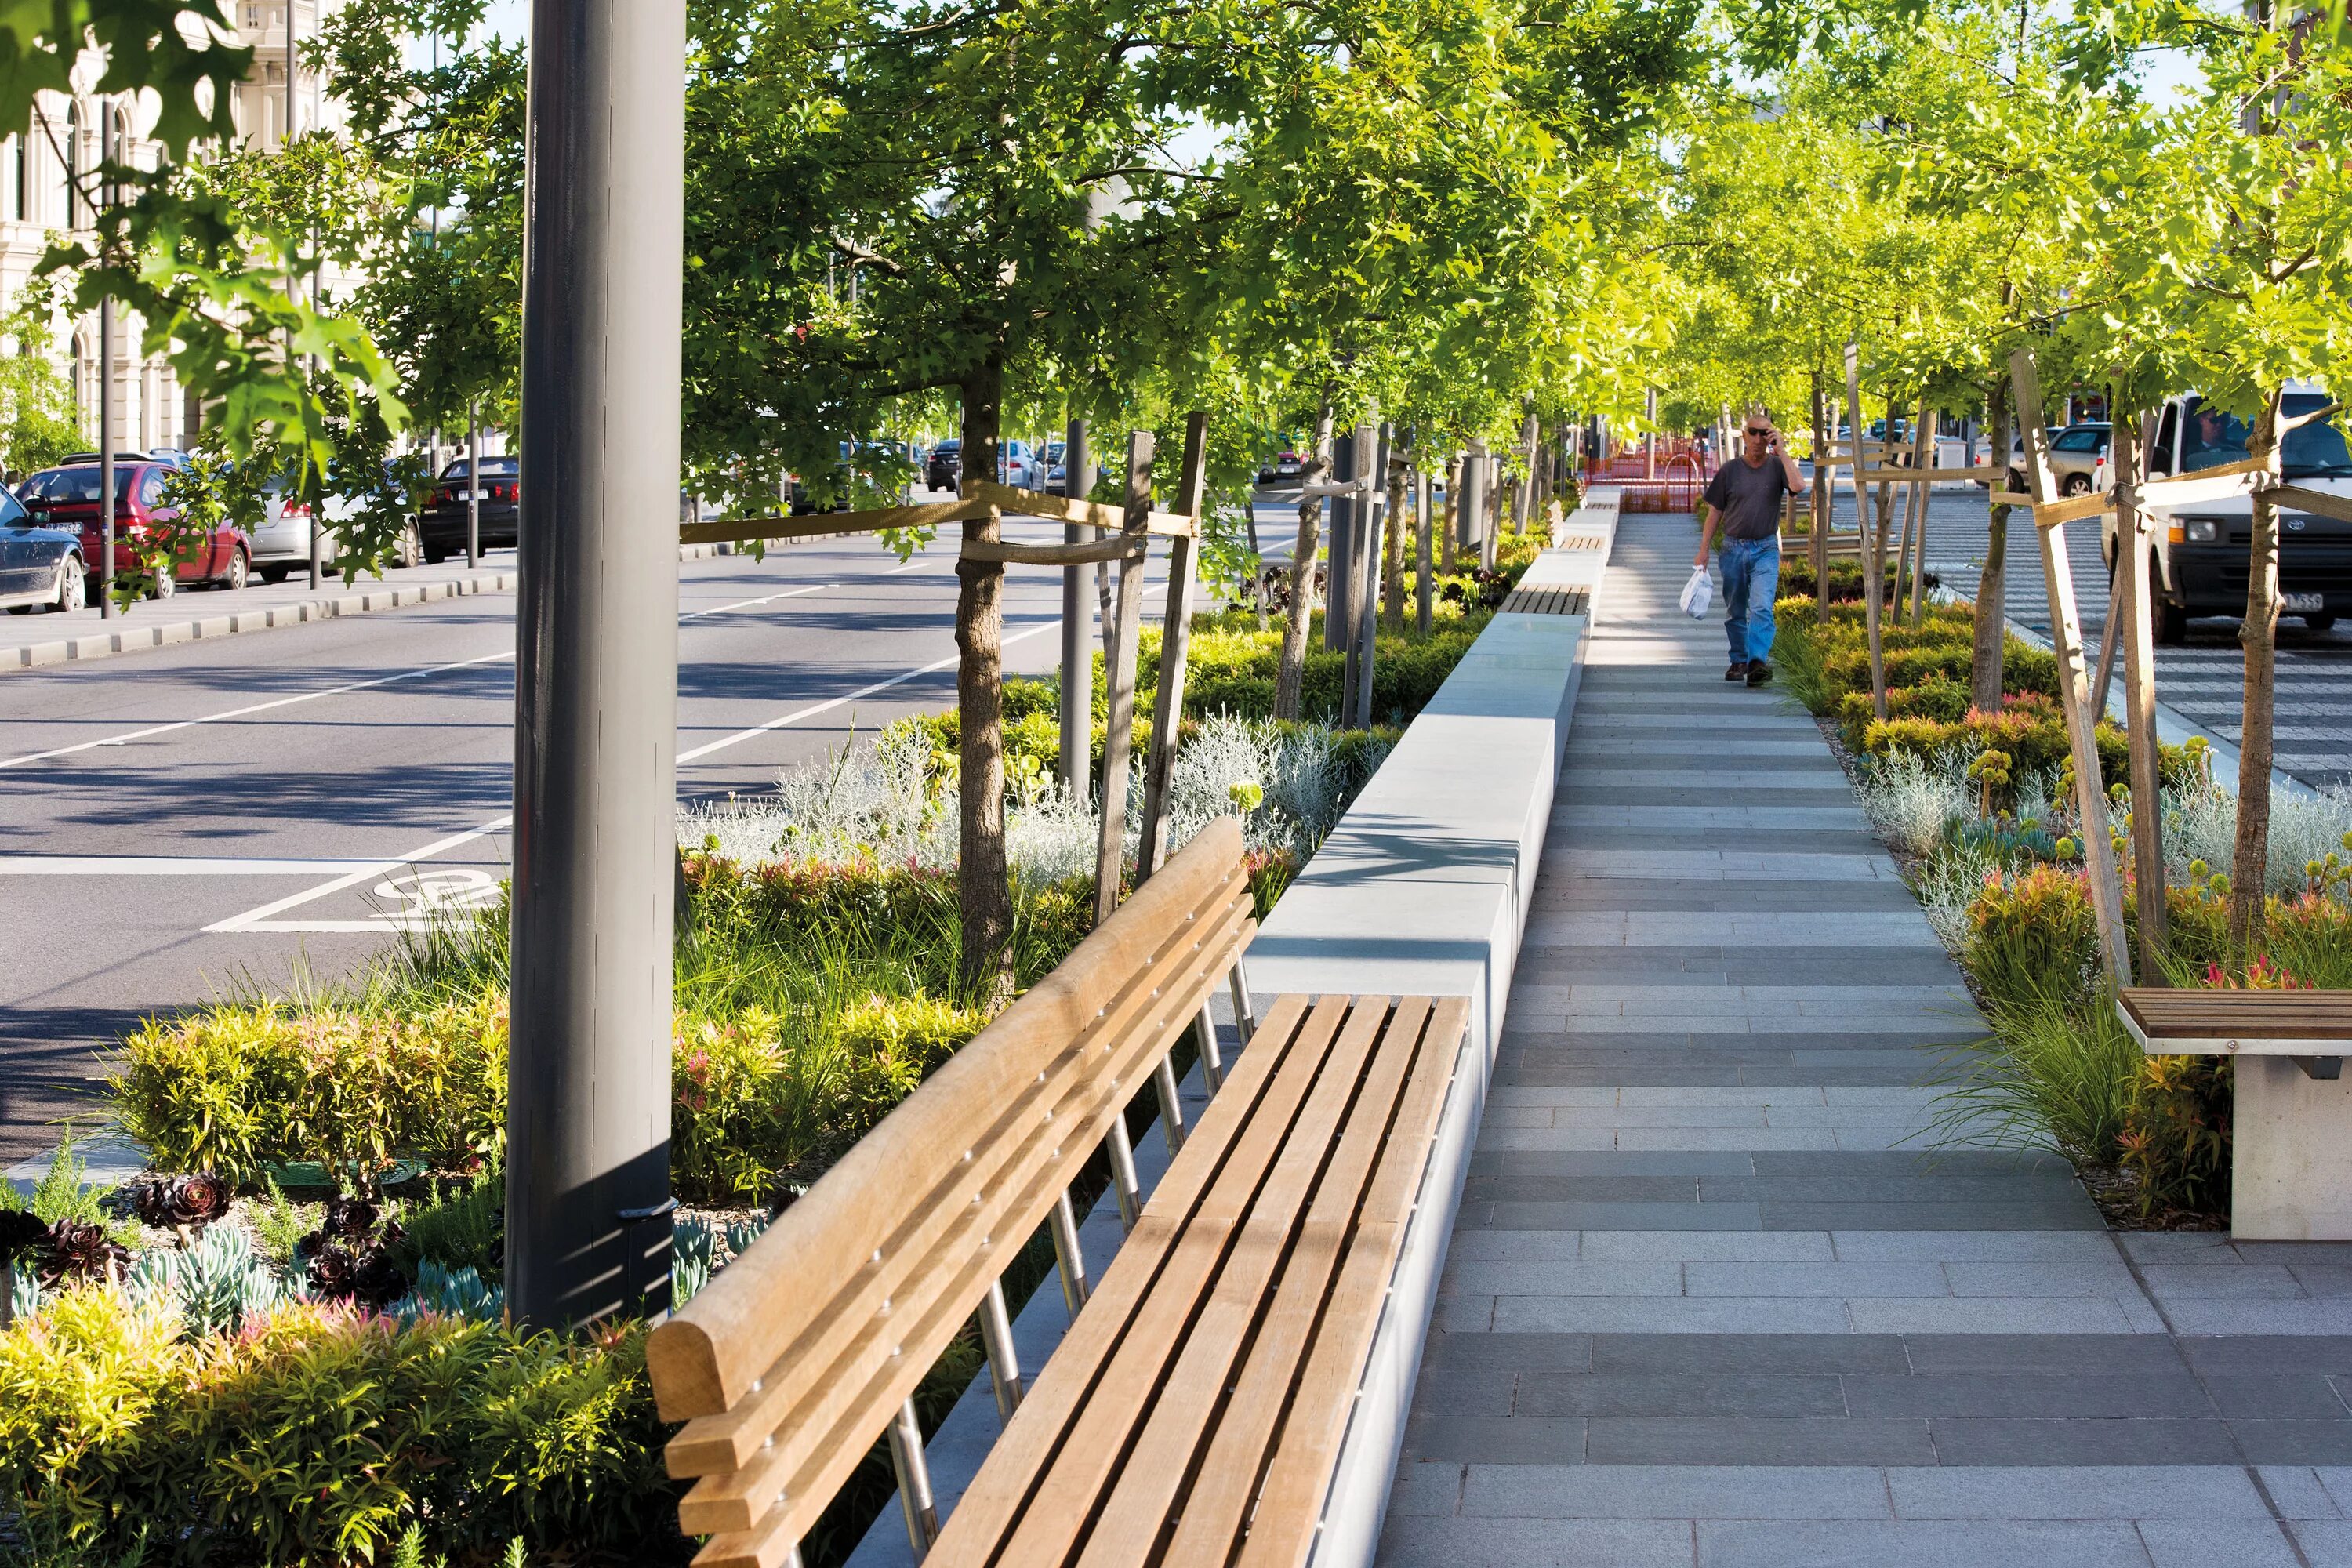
(1194, 1411)
(2291, 1116)
(1545, 601)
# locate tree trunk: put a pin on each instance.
(1991, 622)
(1292, 668)
(1453, 512)
(984, 878)
(2130, 600)
(2258, 633)
(1817, 545)
(1392, 545)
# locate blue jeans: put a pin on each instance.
(1752, 577)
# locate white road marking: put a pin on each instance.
(253, 708)
(749, 604)
(260, 920)
(166, 866)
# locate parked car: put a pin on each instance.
(40, 568)
(441, 528)
(2203, 543)
(944, 471)
(1286, 465)
(2015, 479)
(1018, 465)
(2078, 459)
(281, 541)
(67, 498)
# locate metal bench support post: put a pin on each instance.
(1171, 1108)
(1213, 1061)
(1123, 1179)
(914, 1481)
(1244, 1016)
(1003, 1361)
(1069, 1256)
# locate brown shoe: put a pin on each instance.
(1738, 670)
(1759, 673)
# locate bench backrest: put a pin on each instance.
(789, 1363)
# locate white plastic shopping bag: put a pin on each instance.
(1697, 594)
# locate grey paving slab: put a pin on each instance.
(1707, 1279)
(1917, 1543)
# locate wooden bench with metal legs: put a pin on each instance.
(1194, 1411)
(2291, 1113)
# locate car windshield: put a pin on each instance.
(75, 484)
(948, 446)
(2316, 450)
(2081, 439)
(491, 468)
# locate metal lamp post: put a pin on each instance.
(597, 663)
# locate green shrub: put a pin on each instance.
(323, 1436)
(765, 1101)
(464, 1228)
(2178, 1141)
(2031, 936)
(238, 1088)
(2055, 1070)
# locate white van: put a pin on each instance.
(2202, 545)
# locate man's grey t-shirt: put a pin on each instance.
(1749, 499)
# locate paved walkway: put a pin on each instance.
(1707, 1306)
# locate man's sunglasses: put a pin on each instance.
(1760, 435)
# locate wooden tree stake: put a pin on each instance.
(2067, 642)
(1175, 645)
(2130, 600)
(1110, 850)
(1874, 559)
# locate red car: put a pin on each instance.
(67, 498)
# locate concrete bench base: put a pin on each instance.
(2291, 1158)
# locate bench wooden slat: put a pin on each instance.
(1283, 1529)
(1150, 1476)
(1267, 1082)
(887, 1356)
(1217, 1508)
(2230, 1021)
(1030, 1126)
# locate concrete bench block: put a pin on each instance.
(2290, 1157)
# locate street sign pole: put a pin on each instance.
(473, 486)
(588, 1200)
(1077, 705)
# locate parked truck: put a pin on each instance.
(2203, 540)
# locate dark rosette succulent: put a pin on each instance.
(196, 1199)
(21, 1233)
(376, 1281)
(332, 1269)
(350, 1218)
(81, 1250)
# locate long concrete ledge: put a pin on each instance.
(1423, 890)
(1438, 857)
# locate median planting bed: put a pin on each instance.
(1979, 810)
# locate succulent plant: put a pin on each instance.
(331, 1268)
(350, 1218)
(81, 1250)
(196, 1199)
(21, 1233)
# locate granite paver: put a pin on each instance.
(1715, 1298)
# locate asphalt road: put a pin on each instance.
(214, 816)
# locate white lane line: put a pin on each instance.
(750, 604)
(168, 866)
(251, 919)
(129, 736)
(260, 920)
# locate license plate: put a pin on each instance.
(2303, 604)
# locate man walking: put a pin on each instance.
(1744, 497)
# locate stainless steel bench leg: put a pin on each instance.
(1244, 1018)
(1069, 1254)
(1171, 1108)
(1003, 1361)
(1213, 1061)
(914, 1481)
(1124, 1182)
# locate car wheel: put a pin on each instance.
(2171, 624)
(166, 583)
(434, 554)
(2320, 622)
(2076, 485)
(239, 573)
(273, 573)
(412, 550)
(73, 589)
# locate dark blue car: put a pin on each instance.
(40, 567)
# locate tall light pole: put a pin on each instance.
(286, 145)
(105, 384)
(597, 663)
